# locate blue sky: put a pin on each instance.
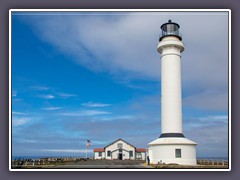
(97, 76)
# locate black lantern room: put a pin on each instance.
(170, 29)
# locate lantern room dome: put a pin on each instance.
(170, 29)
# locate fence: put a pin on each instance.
(212, 162)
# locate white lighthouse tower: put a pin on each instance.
(171, 146)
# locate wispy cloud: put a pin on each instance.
(51, 108)
(18, 113)
(66, 150)
(218, 118)
(120, 117)
(18, 121)
(17, 100)
(14, 93)
(23, 140)
(206, 121)
(46, 96)
(85, 113)
(143, 62)
(66, 95)
(53, 93)
(120, 35)
(92, 104)
(212, 139)
(40, 88)
(208, 100)
(56, 95)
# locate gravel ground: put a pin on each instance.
(104, 164)
(117, 164)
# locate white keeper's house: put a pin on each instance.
(121, 150)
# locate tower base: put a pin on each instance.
(172, 150)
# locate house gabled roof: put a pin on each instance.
(98, 150)
(119, 140)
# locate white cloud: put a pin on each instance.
(212, 139)
(66, 150)
(127, 43)
(51, 93)
(211, 134)
(23, 140)
(218, 118)
(46, 96)
(116, 117)
(66, 95)
(18, 113)
(125, 46)
(14, 93)
(51, 108)
(206, 121)
(18, 121)
(40, 88)
(208, 100)
(85, 113)
(91, 104)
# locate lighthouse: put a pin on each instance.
(172, 146)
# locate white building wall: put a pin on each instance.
(171, 110)
(125, 150)
(150, 154)
(114, 155)
(166, 154)
(114, 151)
(96, 155)
(140, 155)
(126, 155)
(143, 155)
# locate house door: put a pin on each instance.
(120, 156)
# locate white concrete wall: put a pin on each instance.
(166, 154)
(171, 89)
(150, 154)
(114, 155)
(143, 155)
(126, 155)
(163, 149)
(96, 155)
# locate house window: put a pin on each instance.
(178, 153)
(120, 150)
(119, 145)
(100, 154)
(131, 153)
(138, 155)
(108, 153)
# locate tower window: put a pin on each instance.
(178, 153)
